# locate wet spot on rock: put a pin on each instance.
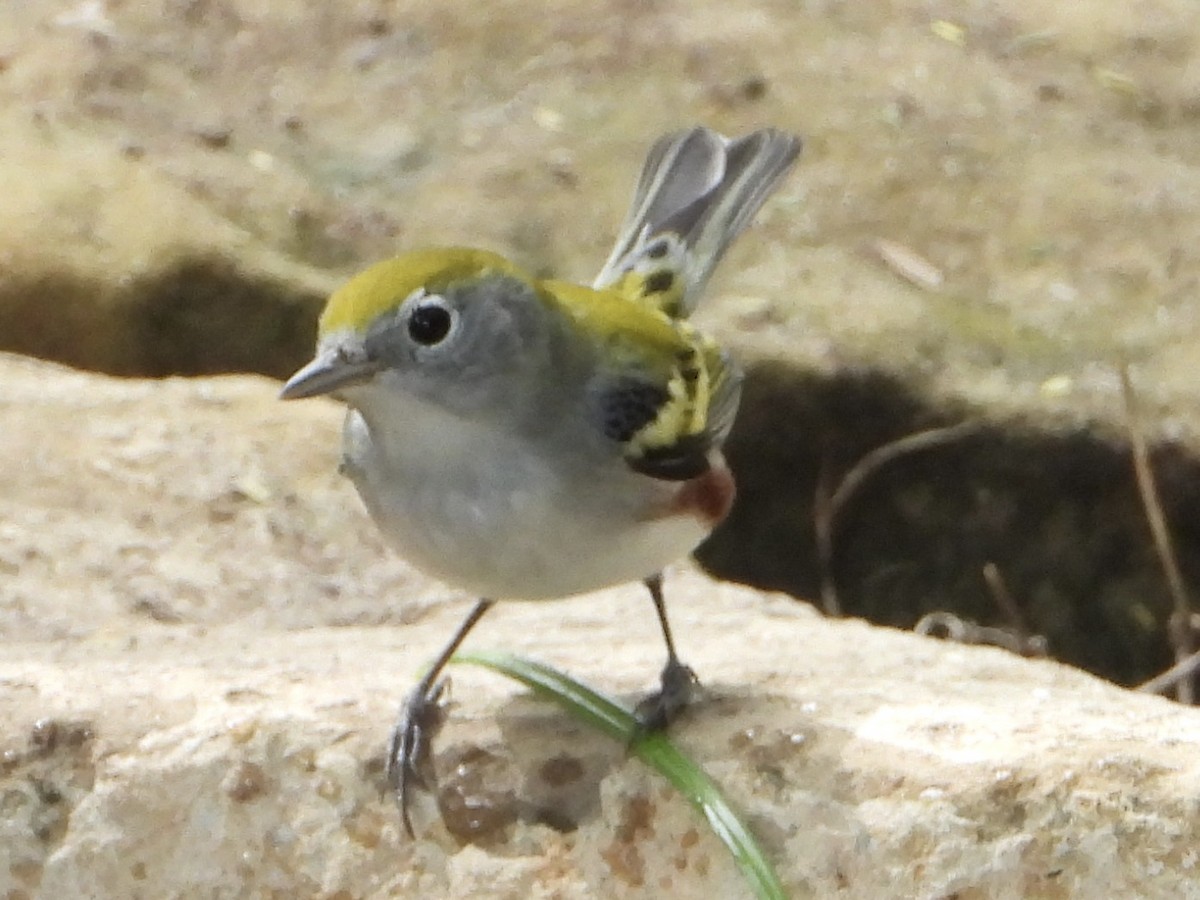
(478, 798)
(365, 827)
(50, 735)
(561, 770)
(623, 855)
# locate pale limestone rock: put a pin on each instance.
(214, 727)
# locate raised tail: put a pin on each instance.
(697, 192)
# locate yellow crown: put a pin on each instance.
(384, 286)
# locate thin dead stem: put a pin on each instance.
(1170, 680)
(1179, 627)
(963, 631)
(1004, 600)
(828, 507)
(1029, 644)
(823, 526)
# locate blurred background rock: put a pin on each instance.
(999, 203)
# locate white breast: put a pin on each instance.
(504, 517)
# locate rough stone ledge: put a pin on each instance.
(166, 761)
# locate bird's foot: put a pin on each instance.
(409, 756)
(658, 710)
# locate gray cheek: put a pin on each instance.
(490, 342)
(388, 342)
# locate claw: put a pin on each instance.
(409, 756)
(658, 710)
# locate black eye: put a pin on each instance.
(429, 323)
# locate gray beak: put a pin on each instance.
(327, 373)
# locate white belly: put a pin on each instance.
(486, 513)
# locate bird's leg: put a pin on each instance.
(678, 680)
(409, 763)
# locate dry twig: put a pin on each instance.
(1179, 627)
(1028, 644)
(827, 507)
(963, 631)
(1170, 680)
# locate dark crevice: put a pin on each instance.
(205, 317)
(202, 316)
(1058, 513)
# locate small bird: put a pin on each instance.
(523, 438)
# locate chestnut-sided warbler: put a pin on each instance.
(529, 439)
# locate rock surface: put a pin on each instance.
(997, 204)
(204, 645)
(204, 640)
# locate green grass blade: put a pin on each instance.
(656, 750)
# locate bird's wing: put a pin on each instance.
(660, 390)
(698, 402)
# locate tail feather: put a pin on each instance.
(698, 191)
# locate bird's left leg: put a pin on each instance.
(678, 680)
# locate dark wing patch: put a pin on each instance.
(683, 460)
(669, 429)
(629, 405)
